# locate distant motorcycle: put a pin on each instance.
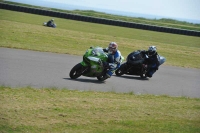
(135, 65)
(92, 65)
(52, 25)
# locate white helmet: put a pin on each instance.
(112, 47)
(152, 50)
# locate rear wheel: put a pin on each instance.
(120, 70)
(101, 78)
(76, 71)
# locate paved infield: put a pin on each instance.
(22, 68)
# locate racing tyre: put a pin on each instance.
(120, 70)
(101, 78)
(76, 71)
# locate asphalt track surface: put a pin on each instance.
(22, 68)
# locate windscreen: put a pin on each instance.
(97, 51)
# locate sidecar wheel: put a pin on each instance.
(76, 71)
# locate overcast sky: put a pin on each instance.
(171, 8)
(186, 9)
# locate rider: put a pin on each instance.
(50, 23)
(152, 60)
(114, 58)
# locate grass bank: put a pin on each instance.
(25, 31)
(54, 110)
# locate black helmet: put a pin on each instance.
(152, 50)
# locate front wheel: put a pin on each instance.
(76, 71)
(120, 70)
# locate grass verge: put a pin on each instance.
(53, 110)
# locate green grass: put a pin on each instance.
(54, 110)
(166, 22)
(25, 31)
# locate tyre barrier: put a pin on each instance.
(62, 15)
(95, 20)
(98, 20)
